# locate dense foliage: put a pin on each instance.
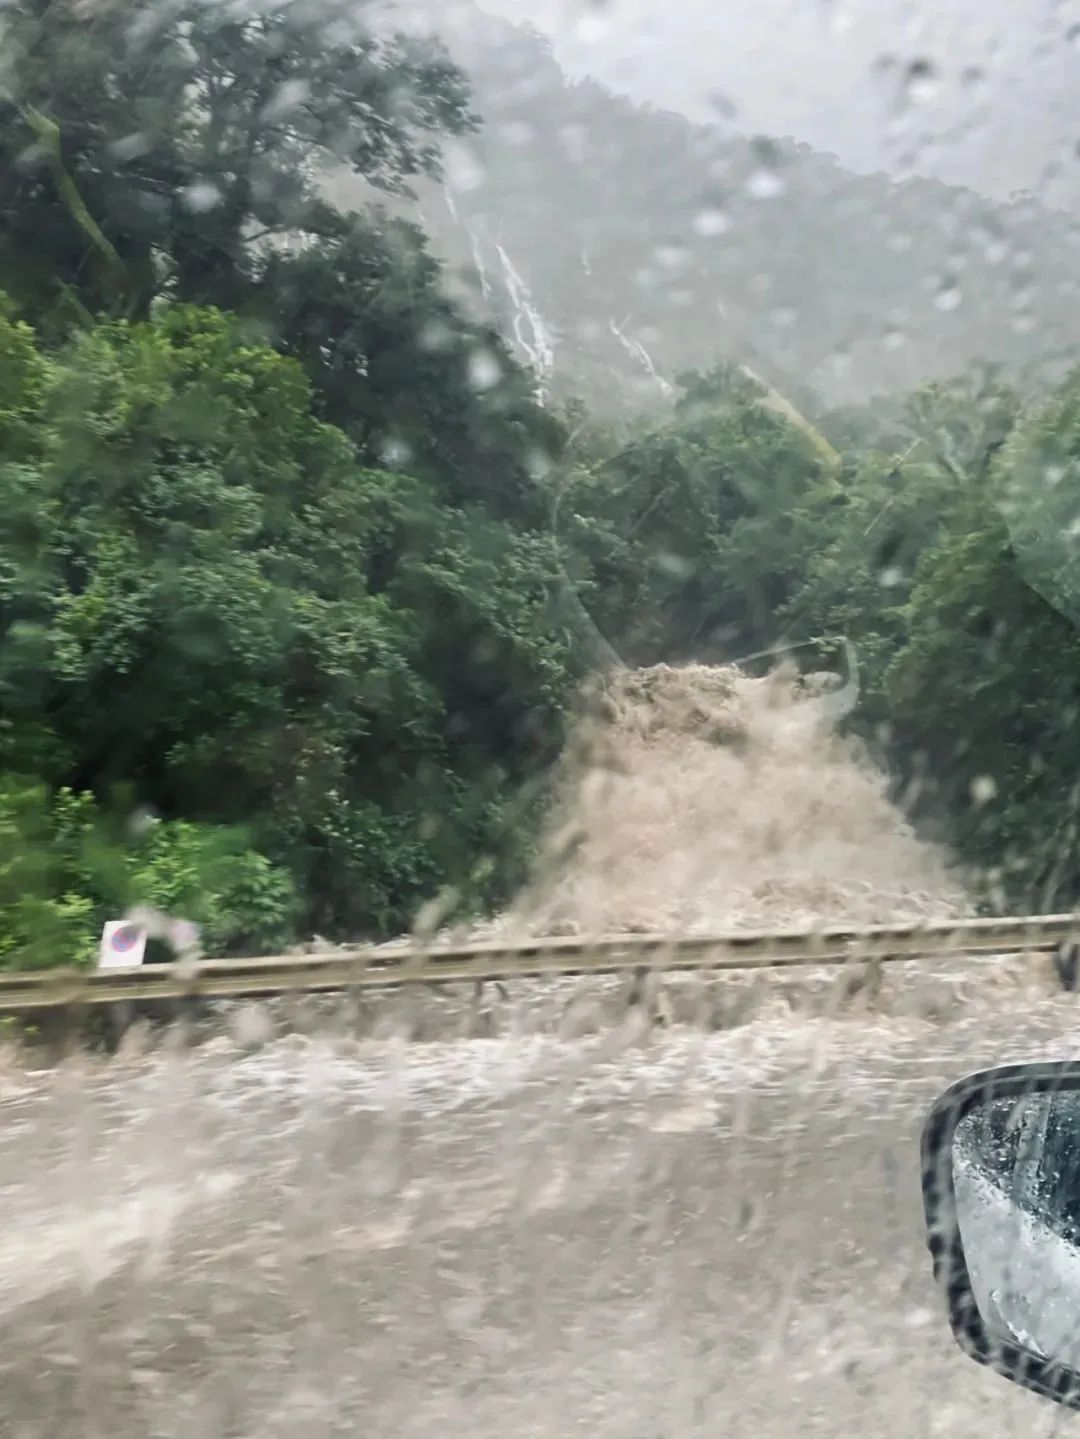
(297, 576)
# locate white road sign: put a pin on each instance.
(123, 945)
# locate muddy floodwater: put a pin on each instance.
(629, 1234)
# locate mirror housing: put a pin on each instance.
(1001, 1194)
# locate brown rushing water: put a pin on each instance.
(576, 1224)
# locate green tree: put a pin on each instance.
(1038, 491)
(153, 148)
(690, 536)
(414, 382)
(209, 601)
(192, 613)
(885, 512)
(984, 698)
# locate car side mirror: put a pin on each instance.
(1001, 1192)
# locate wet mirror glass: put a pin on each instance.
(1016, 1171)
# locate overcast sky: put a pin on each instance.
(981, 92)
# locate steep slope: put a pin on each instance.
(621, 245)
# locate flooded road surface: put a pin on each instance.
(623, 1236)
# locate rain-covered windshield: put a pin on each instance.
(501, 501)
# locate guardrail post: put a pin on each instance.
(638, 990)
(119, 1018)
(1067, 964)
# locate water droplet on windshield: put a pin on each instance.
(202, 196)
(983, 789)
(765, 181)
(288, 96)
(435, 336)
(710, 223)
(671, 257)
(142, 820)
(517, 133)
(462, 169)
(129, 147)
(395, 451)
(678, 566)
(539, 464)
(837, 19)
(920, 81)
(765, 184)
(484, 370)
(949, 296)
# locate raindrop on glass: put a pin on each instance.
(671, 257)
(201, 196)
(434, 336)
(840, 20)
(710, 223)
(464, 172)
(395, 451)
(484, 370)
(765, 181)
(948, 296)
(983, 789)
(142, 820)
(288, 96)
(678, 566)
(516, 134)
(995, 252)
(920, 81)
(539, 464)
(131, 146)
(765, 184)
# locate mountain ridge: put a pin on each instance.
(619, 245)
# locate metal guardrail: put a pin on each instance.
(383, 967)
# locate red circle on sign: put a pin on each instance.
(125, 938)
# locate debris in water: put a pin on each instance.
(695, 798)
